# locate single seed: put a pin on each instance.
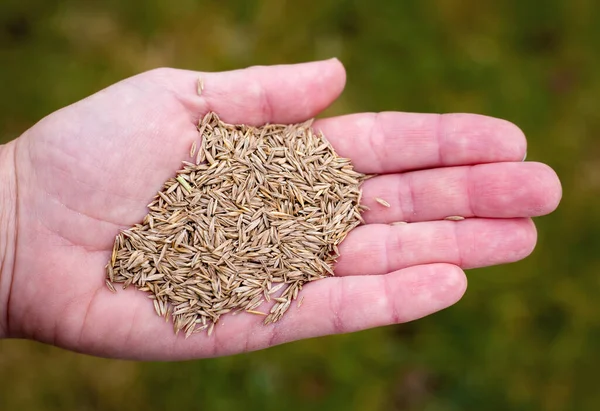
(184, 184)
(454, 218)
(193, 149)
(382, 202)
(110, 286)
(200, 88)
(256, 312)
(399, 223)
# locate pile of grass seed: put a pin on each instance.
(260, 213)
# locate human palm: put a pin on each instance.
(89, 170)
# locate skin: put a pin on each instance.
(71, 182)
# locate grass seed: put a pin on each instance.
(261, 211)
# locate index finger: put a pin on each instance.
(392, 142)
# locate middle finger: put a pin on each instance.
(498, 190)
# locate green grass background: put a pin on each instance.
(526, 336)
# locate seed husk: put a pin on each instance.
(382, 202)
(200, 86)
(260, 213)
(399, 223)
(454, 218)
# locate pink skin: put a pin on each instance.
(88, 170)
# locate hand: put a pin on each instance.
(89, 170)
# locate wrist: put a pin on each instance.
(8, 229)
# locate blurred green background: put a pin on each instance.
(525, 337)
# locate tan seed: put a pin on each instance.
(200, 86)
(454, 218)
(382, 202)
(260, 212)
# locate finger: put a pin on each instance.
(333, 305)
(260, 94)
(393, 142)
(341, 305)
(378, 248)
(499, 190)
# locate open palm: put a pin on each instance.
(89, 170)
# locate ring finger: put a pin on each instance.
(380, 248)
